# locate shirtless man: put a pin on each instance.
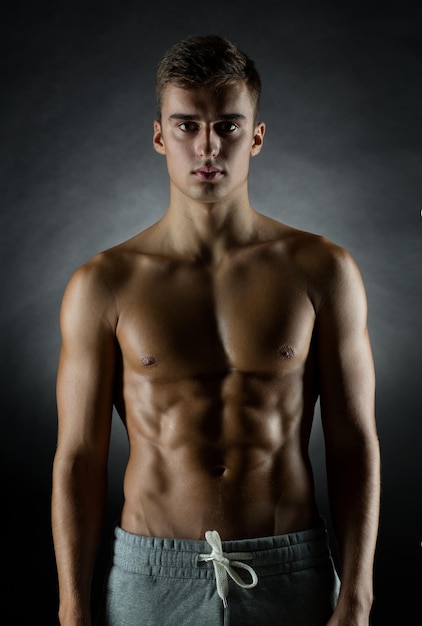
(214, 332)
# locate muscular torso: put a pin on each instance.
(216, 383)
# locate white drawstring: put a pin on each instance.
(225, 563)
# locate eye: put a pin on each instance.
(188, 127)
(226, 128)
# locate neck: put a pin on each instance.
(206, 231)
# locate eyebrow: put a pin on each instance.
(223, 116)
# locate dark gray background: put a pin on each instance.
(342, 157)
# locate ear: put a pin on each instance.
(157, 140)
(258, 139)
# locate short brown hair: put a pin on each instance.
(209, 61)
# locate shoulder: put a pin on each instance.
(97, 285)
(90, 292)
(310, 250)
(101, 274)
(330, 270)
(93, 276)
(336, 285)
(325, 259)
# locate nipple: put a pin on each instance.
(285, 352)
(149, 360)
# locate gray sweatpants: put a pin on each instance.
(173, 582)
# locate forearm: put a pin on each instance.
(354, 492)
(78, 500)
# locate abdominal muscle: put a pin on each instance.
(201, 463)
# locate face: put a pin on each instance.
(208, 140)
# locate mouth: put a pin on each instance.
(208, 173)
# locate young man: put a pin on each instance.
(213, 333)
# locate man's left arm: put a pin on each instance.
(347, 396)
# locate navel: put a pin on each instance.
(285, 352)
(219, 471)
(149, 360)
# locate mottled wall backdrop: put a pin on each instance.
(342, 157)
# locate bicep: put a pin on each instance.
(86, 368)
(346, 369)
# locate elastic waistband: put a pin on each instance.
(180, 557)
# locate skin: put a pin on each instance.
(214, 332)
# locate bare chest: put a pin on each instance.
(189, 321)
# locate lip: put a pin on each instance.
(208, 173)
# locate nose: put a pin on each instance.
(208, 142)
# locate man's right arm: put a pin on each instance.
(84, 401)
